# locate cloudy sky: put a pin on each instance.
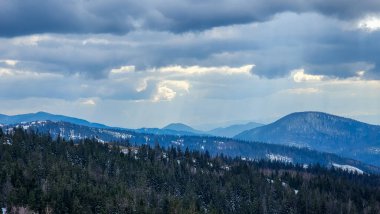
(152, 62)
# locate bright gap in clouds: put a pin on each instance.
(299, 75)
(190, 70)
(154, 97)
(9, 62)
(371, 23)
(90, 102)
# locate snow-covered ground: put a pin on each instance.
(348, 168)
(281, 158)
(116, 134)
(179, 142)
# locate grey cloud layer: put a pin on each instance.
(58, 56)
(20, 17)
(152, 85)
(289, 41)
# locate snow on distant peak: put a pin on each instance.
(281, 158)
(348, 168)
(38, 122)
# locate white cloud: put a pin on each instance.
(95, 41)
(191, 70)
(167, 90)
(142, 85)
(30, 40)
(164, 94)
(168, 82)
(89, 102)
(360, 73)
(25, 74)
(9, 62)
(123, 69)
(370, 23)
(181, 85)
(299, 75)
(5, 72)
(355, 82)
(168, 95)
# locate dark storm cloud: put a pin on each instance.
(57, 16)
(320, 45)
(24, 17)
(343, 54)
(187, 15)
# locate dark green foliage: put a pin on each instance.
(214, 145)
(57, 176)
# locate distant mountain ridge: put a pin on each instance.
(158, 131)
(314, 130)
(233, 130)
(228, 131)
(171, 129)
(44, 116)
(323, 132)
(214, 145)
(182, 128)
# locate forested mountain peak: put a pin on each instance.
(323, 132)
(182, 128)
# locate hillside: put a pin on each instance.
(322, 132)
(42, 175)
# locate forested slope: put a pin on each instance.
(54, 176)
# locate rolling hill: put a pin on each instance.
(322, 132)
(180, 127)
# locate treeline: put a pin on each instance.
(39, 174)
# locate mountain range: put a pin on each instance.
(296, 135)
(171, 129)
(43, 116)
(322, 132)
(228, 131)
(214, 145)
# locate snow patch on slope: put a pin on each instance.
(348, 168)
(280, 158)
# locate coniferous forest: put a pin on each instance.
(44, 175)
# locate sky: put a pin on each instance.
(148, 63)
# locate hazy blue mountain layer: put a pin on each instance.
(233, 130)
